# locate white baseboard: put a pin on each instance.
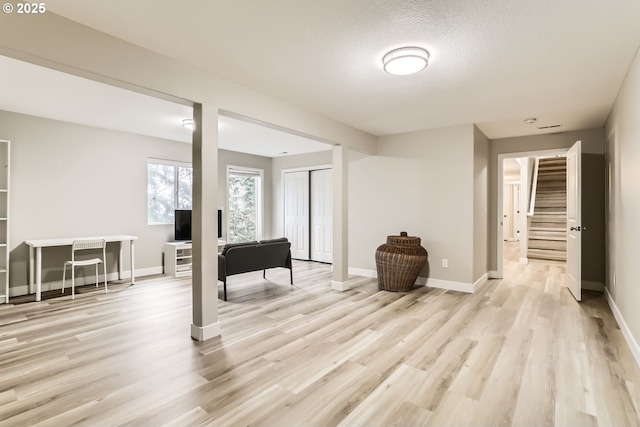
(431, 282)
(524, 260)
(493, 274)
(481, 281)
(452, 286)
(203, 333)
(593, 286)
(340, 286)
(626, 332)
(363, 272)
(83, 279)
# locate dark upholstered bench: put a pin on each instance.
(244, 257)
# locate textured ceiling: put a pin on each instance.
(493, 62)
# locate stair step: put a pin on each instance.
(552, 203)
(552, 168)
(547, 255)
(552, 186)
(550, 211)
(552, 176)
(551, 194)
(553, 161)
(552, 245)
(562, 229)
(548, 235)
(548, 218)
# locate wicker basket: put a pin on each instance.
(399, 262)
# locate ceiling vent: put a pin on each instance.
(549, 127)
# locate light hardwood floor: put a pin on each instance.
(521, 351)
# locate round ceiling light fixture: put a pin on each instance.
(405, 61)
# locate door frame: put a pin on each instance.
(499, 273)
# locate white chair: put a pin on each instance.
(82, 245)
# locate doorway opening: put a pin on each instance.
(519, 235)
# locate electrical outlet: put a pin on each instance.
(445, 263)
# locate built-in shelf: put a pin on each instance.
(178, 259)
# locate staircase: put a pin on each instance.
(548, 225)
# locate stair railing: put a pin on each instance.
(534, 187)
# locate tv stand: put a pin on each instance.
(178, 257)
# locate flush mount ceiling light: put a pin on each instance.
(189, 124)
(530, 121)
(405, 61)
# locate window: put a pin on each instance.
(169, 187)
(244, 216)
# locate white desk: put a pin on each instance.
(68, 241)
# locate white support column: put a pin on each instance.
(340, 277)
(205, 223)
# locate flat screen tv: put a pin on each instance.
(182, 229)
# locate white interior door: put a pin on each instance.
(296, 213)
(507, 205)
(515, 211)
(321, 205)
(574, 219)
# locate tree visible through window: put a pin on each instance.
(169, 187)
(243, 217)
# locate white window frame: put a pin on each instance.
(166, 162)
(259, 202)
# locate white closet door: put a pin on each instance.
(507, 204)
(296, 213)
(321, 204)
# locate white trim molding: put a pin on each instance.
(86, 278)
(493, 274)
(481, 281)
(340, 286)
(452, 286)
(203, 333)
(626, 332)
(524, 260)
(363, 272)
(430, 282)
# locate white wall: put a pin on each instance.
(422, 183)
(623, 134)
(480, 208)
(75, 180)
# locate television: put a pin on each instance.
(182, 229)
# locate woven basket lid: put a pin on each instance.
(403, 240)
